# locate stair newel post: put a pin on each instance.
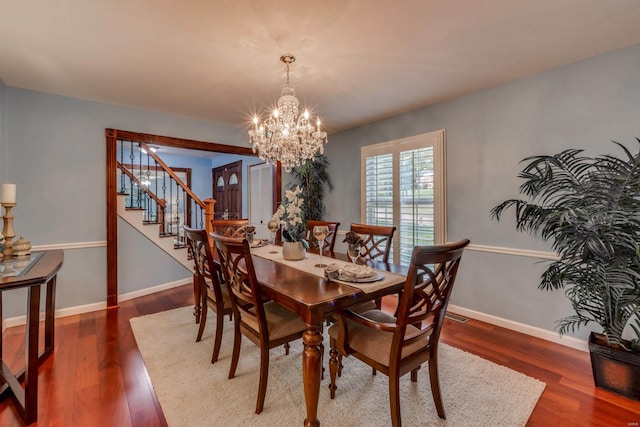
(208, 216)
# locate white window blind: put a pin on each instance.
(379, 190)
(403, 182)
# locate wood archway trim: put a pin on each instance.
(112, 137)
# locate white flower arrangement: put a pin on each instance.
(291, 217)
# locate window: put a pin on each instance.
(403, 184)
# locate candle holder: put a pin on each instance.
(7, 230)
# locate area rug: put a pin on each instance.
(194, 392)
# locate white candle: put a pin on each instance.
(8, 193)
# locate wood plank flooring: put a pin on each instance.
(96, 375)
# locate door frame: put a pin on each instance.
(112, 137)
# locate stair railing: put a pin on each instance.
(140, 185)
(162, 206)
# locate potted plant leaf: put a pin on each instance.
(588, 208)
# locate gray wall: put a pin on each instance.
(55, 154)
(583, 105)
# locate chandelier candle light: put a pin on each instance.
(285, 136)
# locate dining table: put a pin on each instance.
(302, 287)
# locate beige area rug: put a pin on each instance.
(193, 392)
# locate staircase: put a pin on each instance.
(135, 217)
(157, 202)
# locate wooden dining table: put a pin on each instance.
(313, 298)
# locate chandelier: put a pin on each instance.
(285, 136)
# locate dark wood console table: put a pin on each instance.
(40, 268)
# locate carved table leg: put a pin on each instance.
(311, 372)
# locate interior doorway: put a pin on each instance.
(112, 137)
(227, 190)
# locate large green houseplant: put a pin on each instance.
(314, 179)
(588, 208)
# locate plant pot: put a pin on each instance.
(615, 370)
(293, 251)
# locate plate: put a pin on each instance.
(375, 278)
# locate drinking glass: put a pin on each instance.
(354, 253)
(273, 225)
(320, 232)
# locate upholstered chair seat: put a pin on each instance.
(280, 321)
(376, 344)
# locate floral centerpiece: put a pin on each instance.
(291, 218)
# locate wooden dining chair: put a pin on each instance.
(214, 293)
(377, 240)
(397, 345)
(230, 227)
(265, 323)
(330, 241)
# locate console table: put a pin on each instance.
(33, 271)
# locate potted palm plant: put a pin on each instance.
(314, 179)
(588, 208)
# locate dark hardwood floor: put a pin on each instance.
(96, 375)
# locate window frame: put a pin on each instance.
(436, 140)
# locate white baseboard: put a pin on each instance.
(87, 308)
(63, 312)
(154, 289)
(521, 327)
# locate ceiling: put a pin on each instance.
(358, 61)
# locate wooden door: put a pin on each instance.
(227, 190)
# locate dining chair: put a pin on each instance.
(214, 293)
(265, 323)
(376, 246)
(377, 240)
(230, 227)
(397, 345)
(330, 240)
